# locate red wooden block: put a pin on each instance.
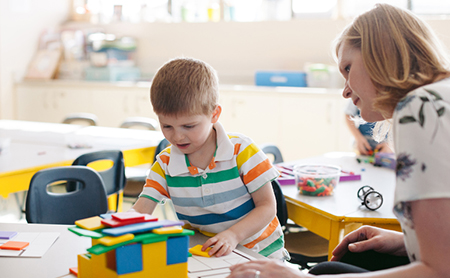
(74, 270)
(14, 245)
(118, 223)
(128, 216)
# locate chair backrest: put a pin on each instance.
(273, 150)
(147, 123)
(114, 177)
(282, 213)
(87, 118)
(65, 208)
(161, 146)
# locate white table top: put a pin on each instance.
(33, 144)
(62, 255)
(344, 201)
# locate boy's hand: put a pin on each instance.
(224, 243)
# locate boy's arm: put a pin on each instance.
(144, 205)
(263, 213)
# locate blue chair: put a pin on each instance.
(272, 150)
(89, 199)
(113, 177)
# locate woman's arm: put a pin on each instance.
(432, 223)
(263, 213)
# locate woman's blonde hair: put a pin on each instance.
(185, 86)
(400, 53)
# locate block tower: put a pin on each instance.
(132, 245)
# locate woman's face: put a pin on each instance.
(358, 85)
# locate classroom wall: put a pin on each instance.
(235, 49)
(21, 23)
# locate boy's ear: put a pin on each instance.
(216, 114)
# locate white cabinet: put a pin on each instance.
(52, 101)
(48, 104)
(302, 122)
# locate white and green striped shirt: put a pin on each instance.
(214, 199)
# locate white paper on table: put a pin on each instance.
(39, 244)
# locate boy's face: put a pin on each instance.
(189, 133)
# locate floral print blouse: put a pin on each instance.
(422, 145)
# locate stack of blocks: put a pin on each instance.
(132, 245)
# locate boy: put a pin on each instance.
(219, 184)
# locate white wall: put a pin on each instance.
(21, 23)
(235, 49)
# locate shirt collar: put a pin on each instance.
(225, 151)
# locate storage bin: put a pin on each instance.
(280, 78)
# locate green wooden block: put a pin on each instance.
(86, 233)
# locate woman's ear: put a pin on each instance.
(216, 114)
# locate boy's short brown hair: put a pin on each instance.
(185, 86)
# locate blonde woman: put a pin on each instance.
(395, 70)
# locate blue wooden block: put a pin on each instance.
(129, 258)
(177, 250)
(140, 227)
(106, 215)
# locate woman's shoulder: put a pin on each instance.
(435, 92)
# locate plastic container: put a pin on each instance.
(317, 180)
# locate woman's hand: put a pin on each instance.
(224, 243)
(266, 268)
(371, 238)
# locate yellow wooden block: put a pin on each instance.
(91, 223)
(168, 230)
(84, 266)
(154, 255)
(169, 271)
(197, 250)
(113, 240)
(99, 266)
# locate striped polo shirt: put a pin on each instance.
(214, 199)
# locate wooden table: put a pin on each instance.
(35, 146)
(332, 217)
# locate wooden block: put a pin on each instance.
(86, 233)
(128, 215)
(7, 234)
(14, 245)
(114, 222)
(197, 250)
(113, 240)
(141, 227)
(91, 223)
(74, 270)
(168, 230)
(100, 248)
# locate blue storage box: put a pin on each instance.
(112, 74)
(280, 78)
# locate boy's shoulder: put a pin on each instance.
(235, 136)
